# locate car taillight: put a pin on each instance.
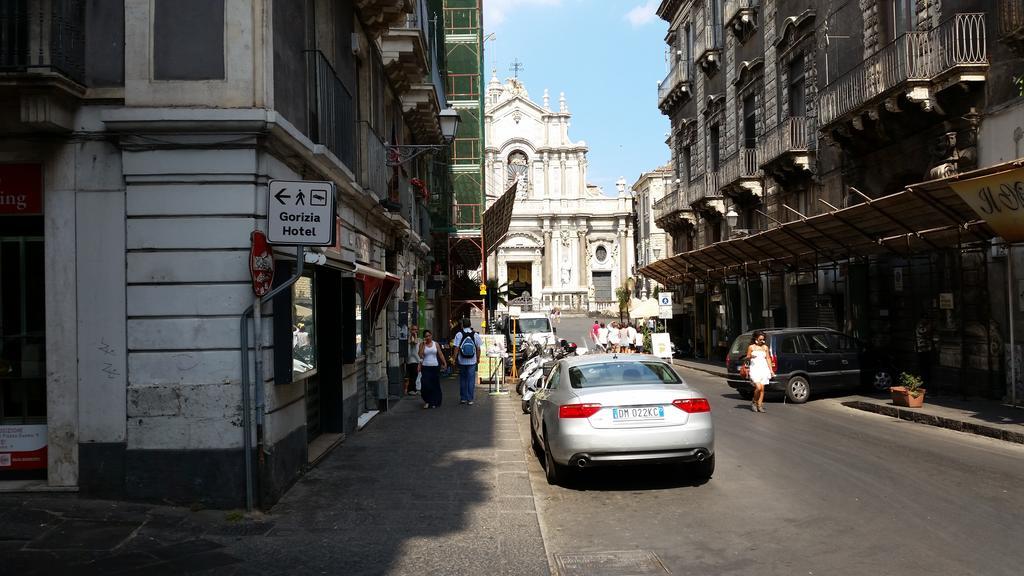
(728, 362)
(692, 405)
(775, 363)
(578, 410)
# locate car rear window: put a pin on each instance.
(739, 346)
(623, 373)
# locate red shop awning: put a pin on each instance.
(378, 287)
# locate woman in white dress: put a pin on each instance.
(760, 369)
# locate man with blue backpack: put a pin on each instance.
(467, 352)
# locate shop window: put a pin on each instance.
(359, 324)
(304, 357)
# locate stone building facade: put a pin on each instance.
(146, 133)
(569, 244)
(650, 242)
(784, 110)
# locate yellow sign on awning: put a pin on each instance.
(998, 199)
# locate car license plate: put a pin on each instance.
(638, 413)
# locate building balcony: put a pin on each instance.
(332, 112)
(915, 67)
(42, 49)
(707, 48)
(788, 146)
(405, 49)
(741, 174)
(373, 169)
(741, 16)
(669, 208)
(1011, 24)
(379, 15)
(676, 88)
(705, 193)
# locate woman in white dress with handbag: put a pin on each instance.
(760, 369)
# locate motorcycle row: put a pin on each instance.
(537, 364)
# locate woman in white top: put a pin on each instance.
(638, 342)
(432, 362)
(760, 369)
(613, 337)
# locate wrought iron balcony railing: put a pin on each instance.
(793, 135)
(705, 187)
(332, 110)
(43, 35)
(913, 57)
(670, 203)
(675, 83)
(374, 173)
(740, 166)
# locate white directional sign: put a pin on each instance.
(300, 213)
(664, 298)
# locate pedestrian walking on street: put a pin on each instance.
(412, 362)
(625, 342)
(431, 364)
(467, 355)
(602, 338)
(638, 341)
(595, 332)
(760, 370)
(631, 333)
(613, 337)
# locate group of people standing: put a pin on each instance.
(426, 360)
(617, 337)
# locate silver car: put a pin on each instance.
(607, 409)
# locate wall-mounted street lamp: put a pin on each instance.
(400, 154)
(732, 218)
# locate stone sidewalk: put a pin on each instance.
(441, 491)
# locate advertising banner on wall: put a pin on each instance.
(22, 447)
(21, 189)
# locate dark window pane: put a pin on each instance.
(188, 40)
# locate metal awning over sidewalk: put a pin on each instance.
(926, 216)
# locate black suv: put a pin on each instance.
(811, 358)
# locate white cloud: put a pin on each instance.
(495, 11)
(643, 13)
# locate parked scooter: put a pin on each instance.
(532, 378)
(533, 359)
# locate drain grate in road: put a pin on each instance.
(625, 563)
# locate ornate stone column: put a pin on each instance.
(584, 277)
(564, 181)
(623, 261)
(548, 249)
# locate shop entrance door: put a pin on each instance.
(22, 348)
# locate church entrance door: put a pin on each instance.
(520, 279)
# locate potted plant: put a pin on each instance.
(909, 393)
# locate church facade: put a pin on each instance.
(569, 245)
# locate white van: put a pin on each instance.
(536, 326)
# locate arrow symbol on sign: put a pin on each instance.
(280, 196)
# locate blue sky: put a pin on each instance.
(607, 56)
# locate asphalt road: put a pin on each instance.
(802, 489)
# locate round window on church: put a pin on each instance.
(601, 253)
